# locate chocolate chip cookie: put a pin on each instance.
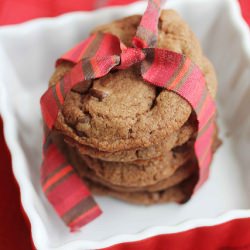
(138, 173)
(179, 193)
(180, 175)
(178, 138)
(120, 111)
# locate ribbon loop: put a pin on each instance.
(147, 31)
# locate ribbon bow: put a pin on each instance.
(96, 57)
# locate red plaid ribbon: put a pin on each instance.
(96, 57)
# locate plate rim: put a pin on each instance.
(9, 134)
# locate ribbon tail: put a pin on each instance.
(65, 190)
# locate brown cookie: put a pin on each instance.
(138, 173)
(179, 193)
(132, 174)
(180, 175)
(120, 111)
(176, 139)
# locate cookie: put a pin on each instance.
(120, 111)
(178, 138)
(138, 173)
(179, 193)
(141, 174)
(180, 175)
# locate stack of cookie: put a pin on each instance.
(129, 139)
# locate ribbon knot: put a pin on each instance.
(131, 56)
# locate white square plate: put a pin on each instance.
(27, 55)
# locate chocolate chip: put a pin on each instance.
(81, 133)
(179, 149)
(184, 147)
(174, 155)
(85, 119)
(82, 87)
(160, 24)
(100, 95)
